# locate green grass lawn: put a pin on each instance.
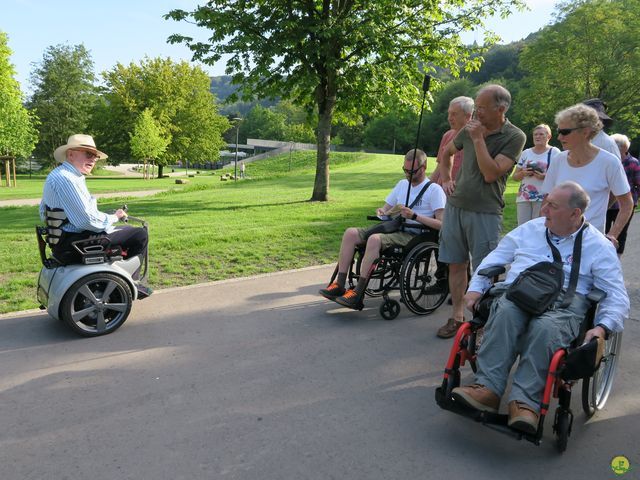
(212, 230)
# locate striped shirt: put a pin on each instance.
(66, 188)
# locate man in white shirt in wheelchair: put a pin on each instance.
(510, 331)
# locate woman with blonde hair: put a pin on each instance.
(530, 172)
(597, 171)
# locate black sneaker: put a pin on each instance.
(350, 300)
(332, 292)
(143, 291)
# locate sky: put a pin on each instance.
(125, 31)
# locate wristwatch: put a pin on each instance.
(414, 216)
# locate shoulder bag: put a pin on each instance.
(536, 288)
(396, 223)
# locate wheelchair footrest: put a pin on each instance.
(495, 421)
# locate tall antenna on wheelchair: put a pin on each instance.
(426, 82)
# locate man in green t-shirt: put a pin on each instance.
(473, 215)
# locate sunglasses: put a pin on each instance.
(411, 172)
(567, 131)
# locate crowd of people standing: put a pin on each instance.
(483, 148)
(563, 196)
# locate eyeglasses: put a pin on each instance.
(89, 155)
(411, 172)
(567, 131)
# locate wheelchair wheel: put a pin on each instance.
(383, 278)
(96, 305)
(424, 285)
(452, 382)
(596, 389)
(389, 309)
(562, 428)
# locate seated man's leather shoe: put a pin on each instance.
(522, 417)
(478, 397)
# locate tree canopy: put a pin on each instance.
(182, 105)
(147, 139)
(591, 51)
(283, 122)
(18, 135)
(336, 56)
(63, 97)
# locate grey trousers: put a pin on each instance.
(511, 332)
(527, 211)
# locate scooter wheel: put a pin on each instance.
(97, 304)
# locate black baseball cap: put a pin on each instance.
(600, 107)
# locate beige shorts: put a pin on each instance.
(388, 239)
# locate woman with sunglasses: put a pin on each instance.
(599, 172)
(530, 172)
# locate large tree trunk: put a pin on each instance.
(160, 168)
(326, 100)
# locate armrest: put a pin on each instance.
(596, 295)
(492, 271)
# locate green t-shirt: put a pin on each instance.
(472, 192)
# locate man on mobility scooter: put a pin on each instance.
(427, 210)
(512, 330)
(66, 196)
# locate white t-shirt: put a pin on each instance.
(529, 190)
(433, 199)
(605, 142)
(602, 175)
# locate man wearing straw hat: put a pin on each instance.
(65, 188)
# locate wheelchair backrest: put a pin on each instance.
(55, 219)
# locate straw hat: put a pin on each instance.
(78, 142)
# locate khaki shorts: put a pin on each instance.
(464, 232)
(387, 240)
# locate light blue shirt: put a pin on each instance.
(599, 266)
(66, 188)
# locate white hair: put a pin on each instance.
(466, 104)
(579, 198)
(622, 141)
(501, 95)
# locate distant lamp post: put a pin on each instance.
(30, 159)
(235, 168)
(290, 152)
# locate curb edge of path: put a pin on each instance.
(24, 313)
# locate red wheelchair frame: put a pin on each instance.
(595, 389)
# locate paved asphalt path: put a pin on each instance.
(36, 201)
(262, 379)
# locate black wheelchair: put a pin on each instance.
(414, 270)
(564, 372)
